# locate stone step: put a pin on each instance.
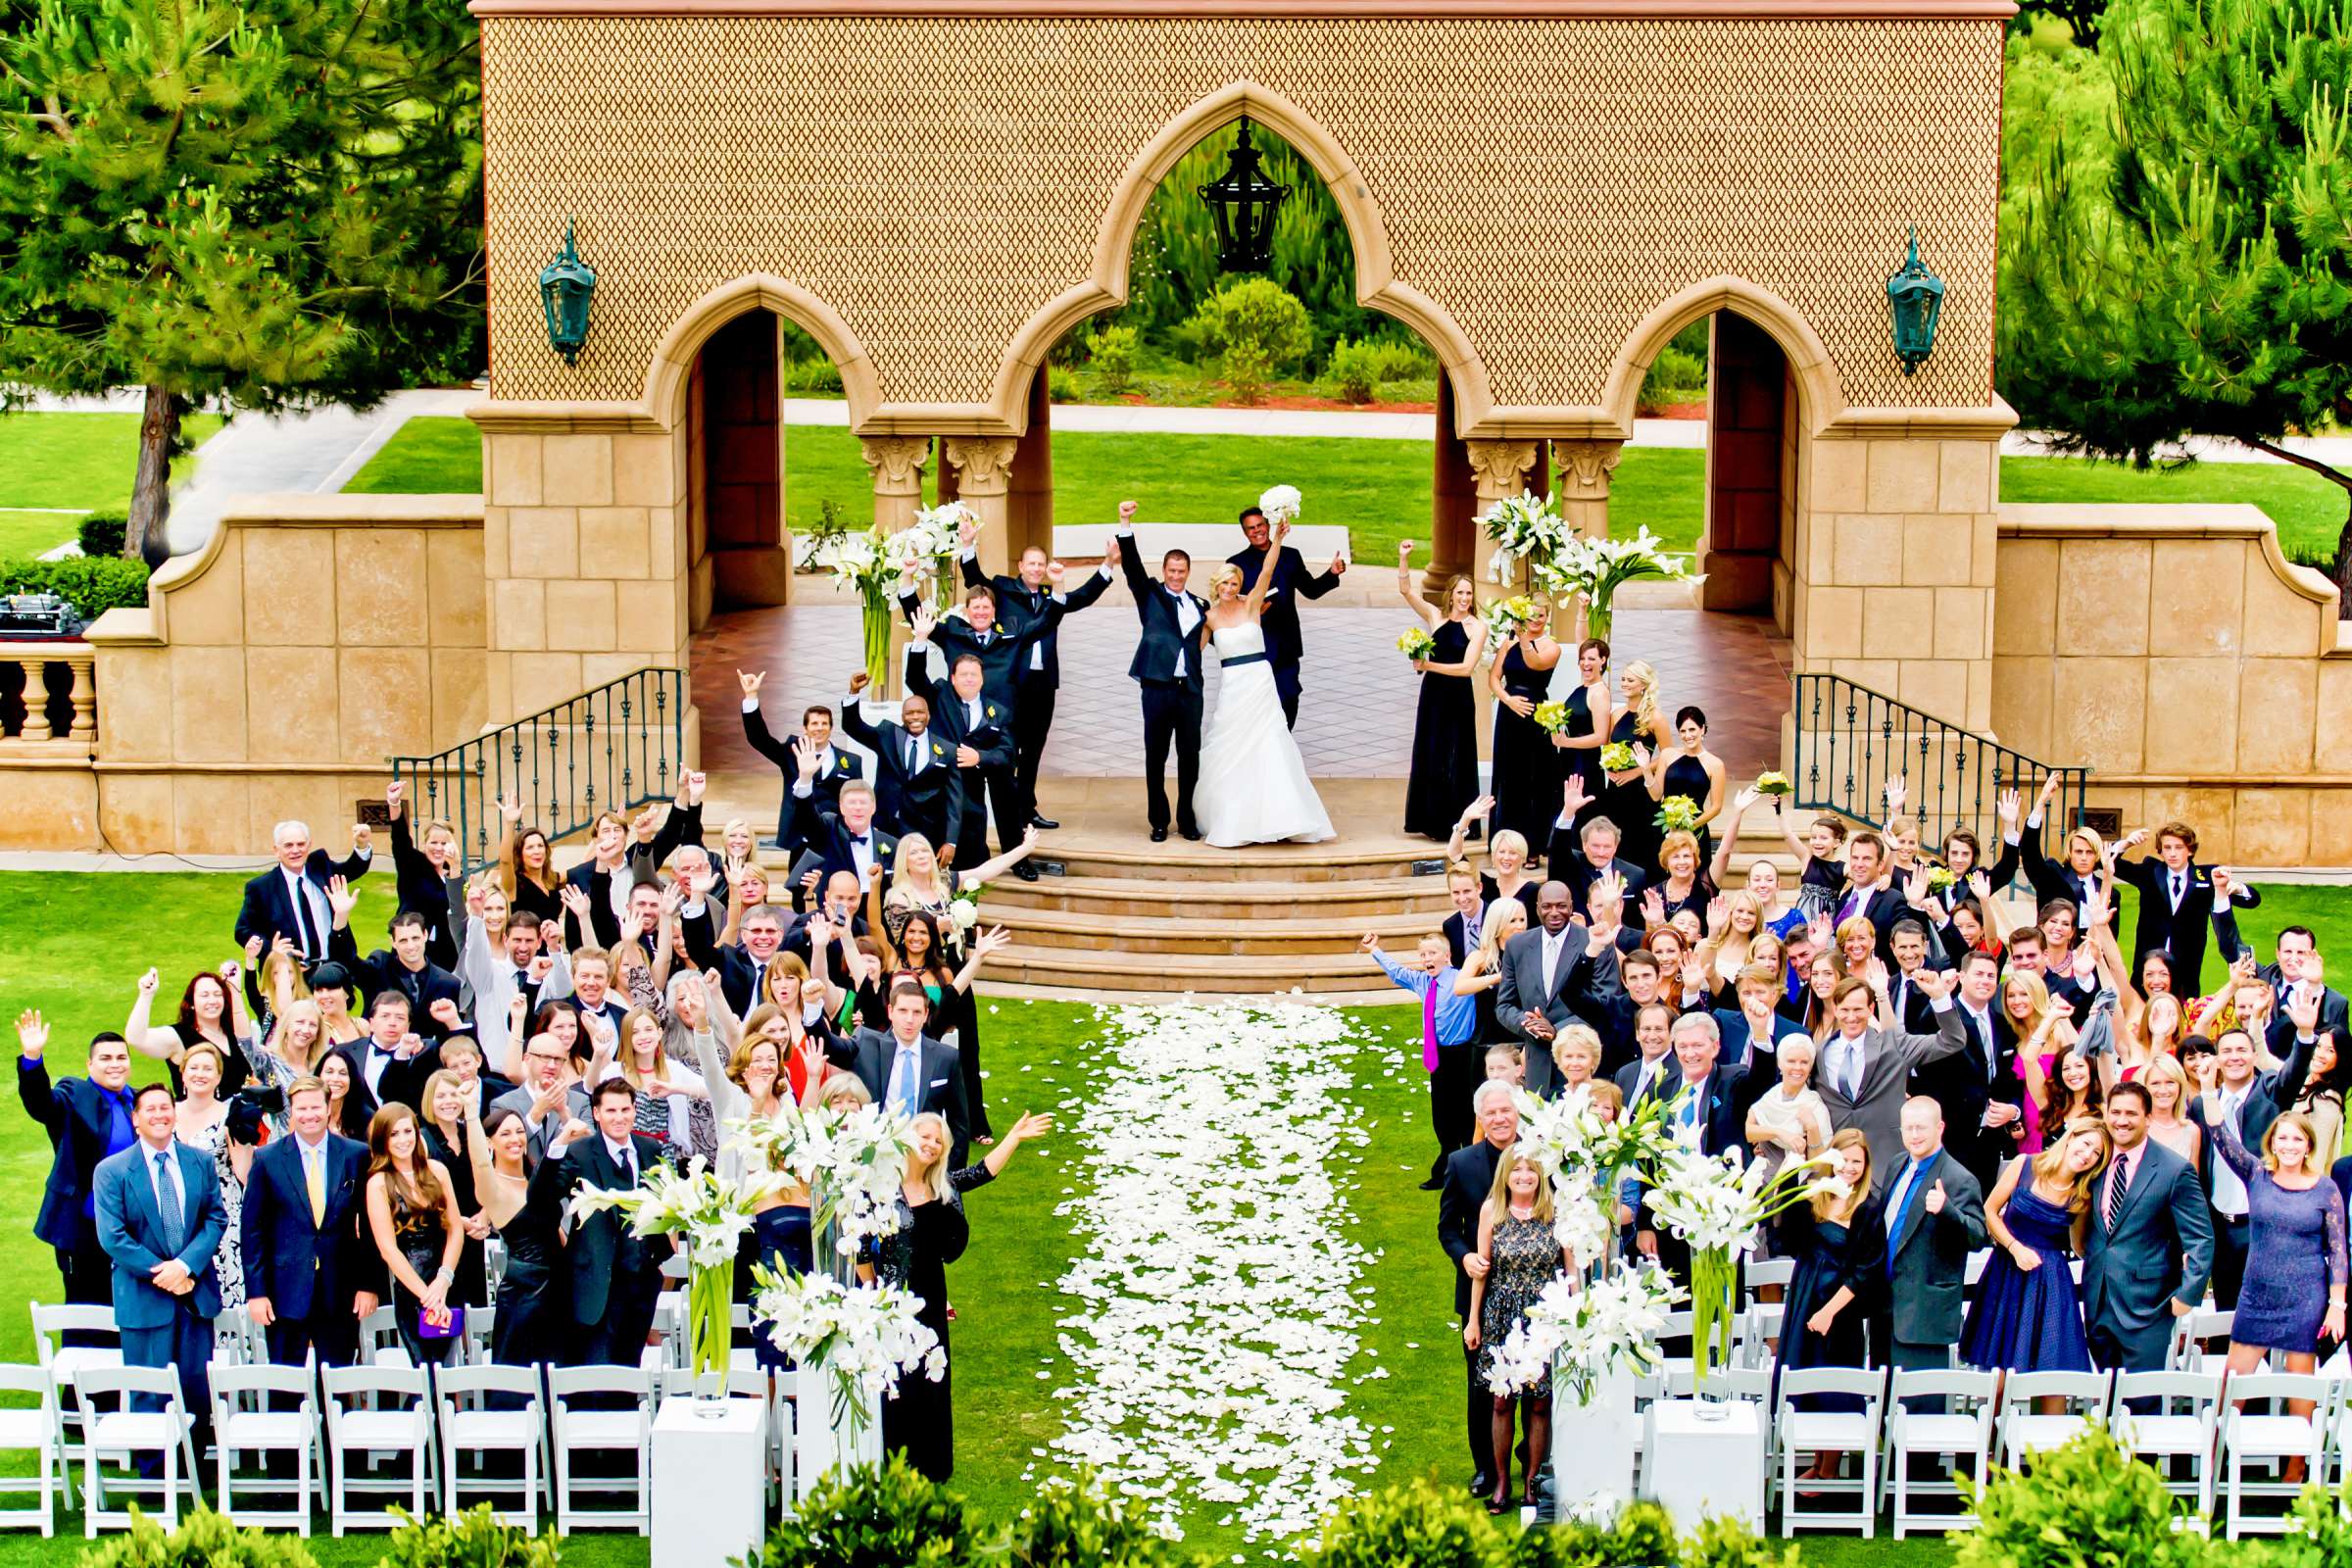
(1386, 997)
(1344, 901)
(1183, 933)
(1180, 861)
(1021, 963)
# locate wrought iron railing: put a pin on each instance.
(611, 749)
(1853, 741)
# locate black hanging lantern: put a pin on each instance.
(1244, 203)
(566, 288)
(1915, 297)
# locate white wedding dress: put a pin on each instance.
(1254, 786)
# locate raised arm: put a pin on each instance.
(984, 942)
(1131, 557)
(1720, 867)
(1458, 839)
(1269, 559)
(2226, 1141)
(1414, 599)
(990, 870)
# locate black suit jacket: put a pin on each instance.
(938, 1085)
(77, 1116)
(1457, 942)
(924, 802)
(382, 970)
(1722, 1112)
(603, 1254)
(828, 840)
(305, 1267)
(992, 737)
(2050, 879)
(1003, 653)
(2178, 934)
(844, 768)
(1020, 607)
(268, 909)
(1469, 1177)
(1292, 583)
(1567, 863)
(1163, 641)
(423, 889)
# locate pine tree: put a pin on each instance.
(265, 205)
(2190, 271)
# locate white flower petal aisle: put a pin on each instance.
(1224, 1298)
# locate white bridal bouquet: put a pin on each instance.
(1280, 505)
(864, 1336)
(853, 1163)
(1525, 527)
(713, 1214)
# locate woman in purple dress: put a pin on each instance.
(2294, 1296)
(2028, 1312)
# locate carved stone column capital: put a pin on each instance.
(896, 462)
(983, 464)
(1587, 466)
(1499, 467)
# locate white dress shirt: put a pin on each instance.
(1554, 944)
(1188, 615)
(172, 1174)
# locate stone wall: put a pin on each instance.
(2174, 651)
(272, 671)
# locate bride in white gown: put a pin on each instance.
(1254, 786)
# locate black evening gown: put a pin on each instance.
(1585, 763)
(1629, 805)
(472, 1285)
(919, 1419)
(1829, 1256)
(534, 1321)
(1444, 778)
(1687, 776)
(1527, 768)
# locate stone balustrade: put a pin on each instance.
(48, 699)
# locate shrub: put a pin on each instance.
(814, 375)
(1112, 351)
(2087, 1502)
(1671, 379)
(204, 1540)
(91, 584)
(1246, 372)
(1062, 385)
(1417, 1526)
(1356, 368)
(868, 1518)
(475, 1539)
(1257, 313)
(102, 533)
(1080, 1526)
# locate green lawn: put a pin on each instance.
(77, 460)
(61, 952)
(33, 533)
(1380, 489)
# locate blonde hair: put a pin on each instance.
(2169, 1069)
(2301, 1122)
(2037, 1001)
(1216, 578)
(1510, 838)
(901, 879)
(625, 1059)
(2050, 1165)
(1646, 705)
(1499, 1195)
(927, 1174)
(1491, 933)
(1855, 926)
(1829, 1205)
(1575, 1036)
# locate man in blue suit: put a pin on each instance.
(308, 1281)
(291, 897)
(86, 1119)
(161, 1221)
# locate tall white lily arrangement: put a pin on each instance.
(1578, 1331)
(853, 1163)
(1595, 569)
(713, 1213)
(1527, 529)
(1717, 1204)
(864, 1338)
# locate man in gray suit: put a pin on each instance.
(1540, 969)
(2149, 1243)
(1934, 1218)
(1864, 1073)
(552, 1105)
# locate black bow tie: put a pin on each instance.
(856, 838)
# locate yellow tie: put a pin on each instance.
(313, 1176)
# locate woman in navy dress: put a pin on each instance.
(1527, 774)
(1625, 801)
(2029, 1311)
(2294, 1296)
(1693, 773)
(1839, 1245)
(1443, 780)
(1589, 728)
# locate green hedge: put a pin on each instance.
(91, 584)
(475, 1539)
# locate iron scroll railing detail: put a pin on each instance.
(1853, 741)
(609, 748)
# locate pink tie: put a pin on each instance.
(1428, 1026)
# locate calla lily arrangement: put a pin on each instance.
(1595, 569)
(713, 1214)
(864, 1336)
(1577, 1331)
(854, 1163)
(1717, 1204)
(1525, 527)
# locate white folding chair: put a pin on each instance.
(485, 1410)
(376, 1410)
(576, 1431)
(784, 1428)
(2271, 1437)
(1974, 1270)
(2180, 1428)
(2024, 1431)
(669, 1308)
(380, 1343)
(1760, 1272)
(267, 1409)
(1962, 1432)
(113, 1428)
(482, 1332)
(1816, 1432)
(1760, 1333)
(50, 1326)
(32, 1428)
(235, 1340)
(2200, 1341)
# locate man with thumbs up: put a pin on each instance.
(1935, 1217)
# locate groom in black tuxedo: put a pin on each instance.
(1167, 662)
(1280, 619)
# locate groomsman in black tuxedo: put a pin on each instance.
(918, 786)
(982, 635)
(834, 766)
(1167, 665)
(2176, 899)
(1033, 600)
(1280, 621)
(980, 729)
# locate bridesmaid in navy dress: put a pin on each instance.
(1625, 802)
(1839, 1246)
(1588, 728)
(1527, 777)
(2028, 1312)
(1444, 777)
(1695, 773)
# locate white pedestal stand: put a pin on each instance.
(1593, 1443)
(709, 1483)
(1699, 1467)
(819, 1445)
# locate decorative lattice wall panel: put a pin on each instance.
(939, 180)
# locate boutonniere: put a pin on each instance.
(989, 709)
(841, 764)
(938, 749)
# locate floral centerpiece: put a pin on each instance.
(1416, 643)
(1580, 1330)
(1716, 1206)
(854, 1163)
(1505, 618)
(1774, 784)
(1595, 569)
(713, 1214)
(1280, 504)
(1678, 813)
(863, 563)
(928, 549)
(865, 1338)
(1617, 757)
(1527, 528)
(1551, 717)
